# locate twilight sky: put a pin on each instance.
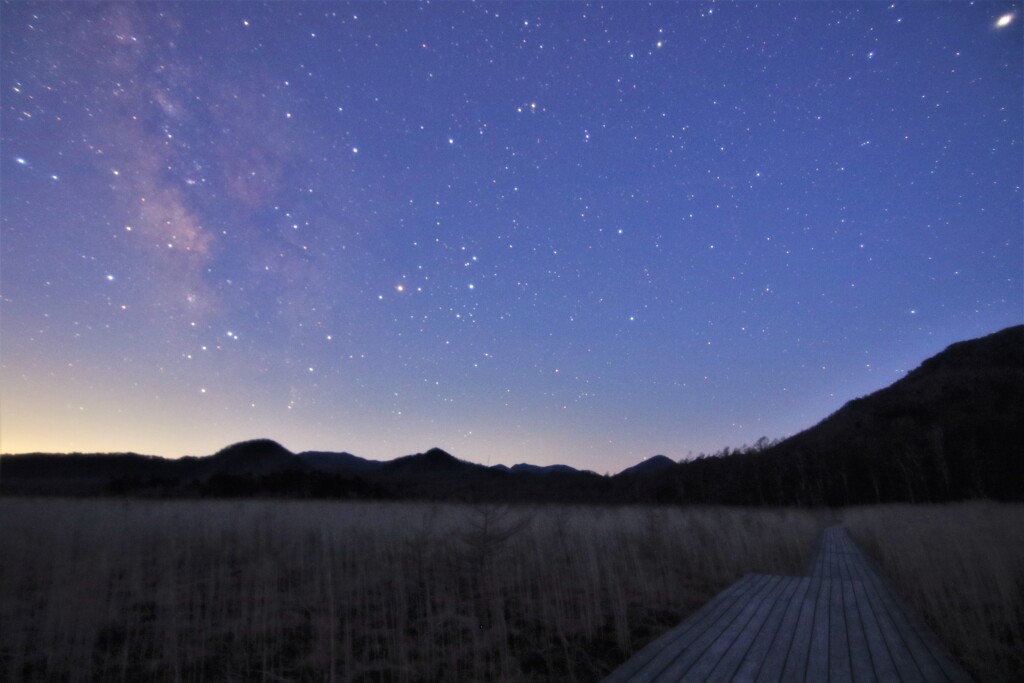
(521, 232)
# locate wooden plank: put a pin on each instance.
(861, 668)
(840, 669)
(823, 566)
(922, 640)
(678, 667)
(856, 559)
(845, 557)
(754, 658)
(818, 655)
(713, 623)
(723, 658)
(842, 570)
(775, 661)
(926, 658)
(651, 659)
(842, 624)
(655, 647)
(817, 566)
(882, 665)
(838, 555)
(796, 661)
(856, 562)
(903, 661)
(931, 658)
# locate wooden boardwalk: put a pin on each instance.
(841, 624)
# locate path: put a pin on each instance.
(841, 624)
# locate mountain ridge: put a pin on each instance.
(947, 430)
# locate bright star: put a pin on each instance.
(1005, 20)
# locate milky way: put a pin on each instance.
(521, 232)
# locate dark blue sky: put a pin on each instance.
(521, 232)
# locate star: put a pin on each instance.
(208, 199)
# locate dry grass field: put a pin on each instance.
(961, 568)
(98, 590)
(273, 591)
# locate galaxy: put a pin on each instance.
(553, 232)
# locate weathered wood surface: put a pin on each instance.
(841, 624)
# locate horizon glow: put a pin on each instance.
(545, 233)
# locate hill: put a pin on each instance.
(951, 429)
(257, 458)
(652, 465)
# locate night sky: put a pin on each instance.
(520, 232)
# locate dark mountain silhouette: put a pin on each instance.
(434, 462)
(256, 458)
(524, 468)
(651, 465)
(81, 473)
(951, 429)
(326, 461)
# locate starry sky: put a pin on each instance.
(560, 232)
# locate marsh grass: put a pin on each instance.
(961, 568)
(285, 590)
